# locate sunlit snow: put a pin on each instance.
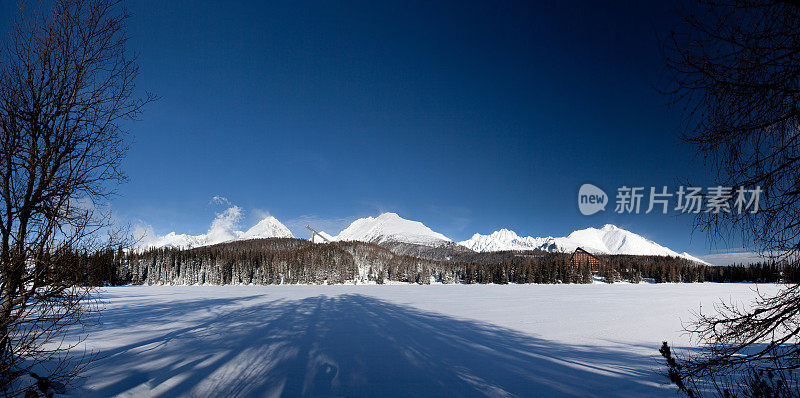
(392, 340)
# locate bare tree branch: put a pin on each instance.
(66, 86)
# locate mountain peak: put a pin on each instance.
(391, 227)
(268, 227)
(503, 239)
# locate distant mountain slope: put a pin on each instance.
(222, 230)
(269, 227)
(609, 239)
(390, 227)
(401, 236)
(502, 240)
(176, 240)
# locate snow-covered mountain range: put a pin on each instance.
(223, 229)
(397, 233)
(609, 239)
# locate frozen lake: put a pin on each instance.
(393, 340)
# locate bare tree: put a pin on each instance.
(734, 69)
(66, 87)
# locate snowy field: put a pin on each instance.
(398, 340)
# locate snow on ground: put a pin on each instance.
(398, 340)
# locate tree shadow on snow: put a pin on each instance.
(354, 345)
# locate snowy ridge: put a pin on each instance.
(503, 239)
(392, 230)
(609, 239)
(223, 229)
(390, 227)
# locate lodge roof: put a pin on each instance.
(580, 250)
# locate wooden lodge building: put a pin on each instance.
(580, 257)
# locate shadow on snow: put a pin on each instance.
(352, 345)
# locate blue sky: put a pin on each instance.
(469, 117)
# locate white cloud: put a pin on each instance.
(219, 200)
(260, 213)
(224, 226)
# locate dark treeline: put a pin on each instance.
(669, 269)
(292, 261)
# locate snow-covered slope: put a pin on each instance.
(609, 239)
(503, 239)
(390, 227)
(173, 239)
(325, 237)
(223, 229)
(269, 227)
